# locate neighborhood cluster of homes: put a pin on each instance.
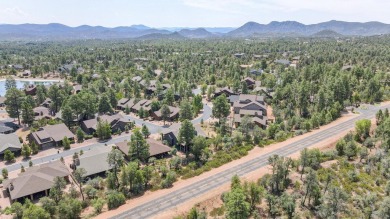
(250, 105)
(36, 181)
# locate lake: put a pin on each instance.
(20, 84)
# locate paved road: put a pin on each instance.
(161, 204)
(66, 153)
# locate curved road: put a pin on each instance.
(161, 204)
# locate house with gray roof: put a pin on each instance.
(252, 106)
(51, 135)
(9, 142)
(93, 161)
(283, 62)
(35, 181)
(116, 121)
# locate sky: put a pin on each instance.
(189, 13)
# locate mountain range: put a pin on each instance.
(55, 31)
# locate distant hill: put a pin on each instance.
(341, 27)
(156, 36)
(327, 33)
(197, 33)
(55, 31)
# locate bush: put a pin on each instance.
(115, 199)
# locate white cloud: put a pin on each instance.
(15, 11)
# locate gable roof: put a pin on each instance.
(35, 179)
(95, 161)
(55, 132)
(155, 147)
(174, 111)
(110, 119)
(9, 141)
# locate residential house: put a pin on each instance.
(36, 181)
(161, 96)
(252, 106)
(144, 104)
(30, 89)
(8, 126)
(136, 79)
(116, 121)
(156, 148)
(225, 90)
(2, 101)
(170, 137)
(283, 62)
(18, 67)
(251, 83)
(9, 142)
(125, 102)
(93, 161)
(173, 115)
(51, 135)
(46, 103)
(41, 112)
(239, 55)
(256, 71)
(77, 88)
(26, 73)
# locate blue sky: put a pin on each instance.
(189, 13)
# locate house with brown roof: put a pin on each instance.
(174, 114)
(251, 83)
(156, 148)
(252, 106)
(51, 135)
(225, 90)
(125, 102)
(41, 112)
(35, 181)
(116, 121)
(145, 104)
(30, 89)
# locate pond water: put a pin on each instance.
(21, 84)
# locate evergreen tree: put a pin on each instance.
(14, 102)
(139, 148)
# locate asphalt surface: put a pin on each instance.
(164, 203)
(66, 153)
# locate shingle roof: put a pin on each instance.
(35, 179)
(174, 111)
(56, 132)
(155, 147)
(95, 161)
(4, 129)
(9, 141)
